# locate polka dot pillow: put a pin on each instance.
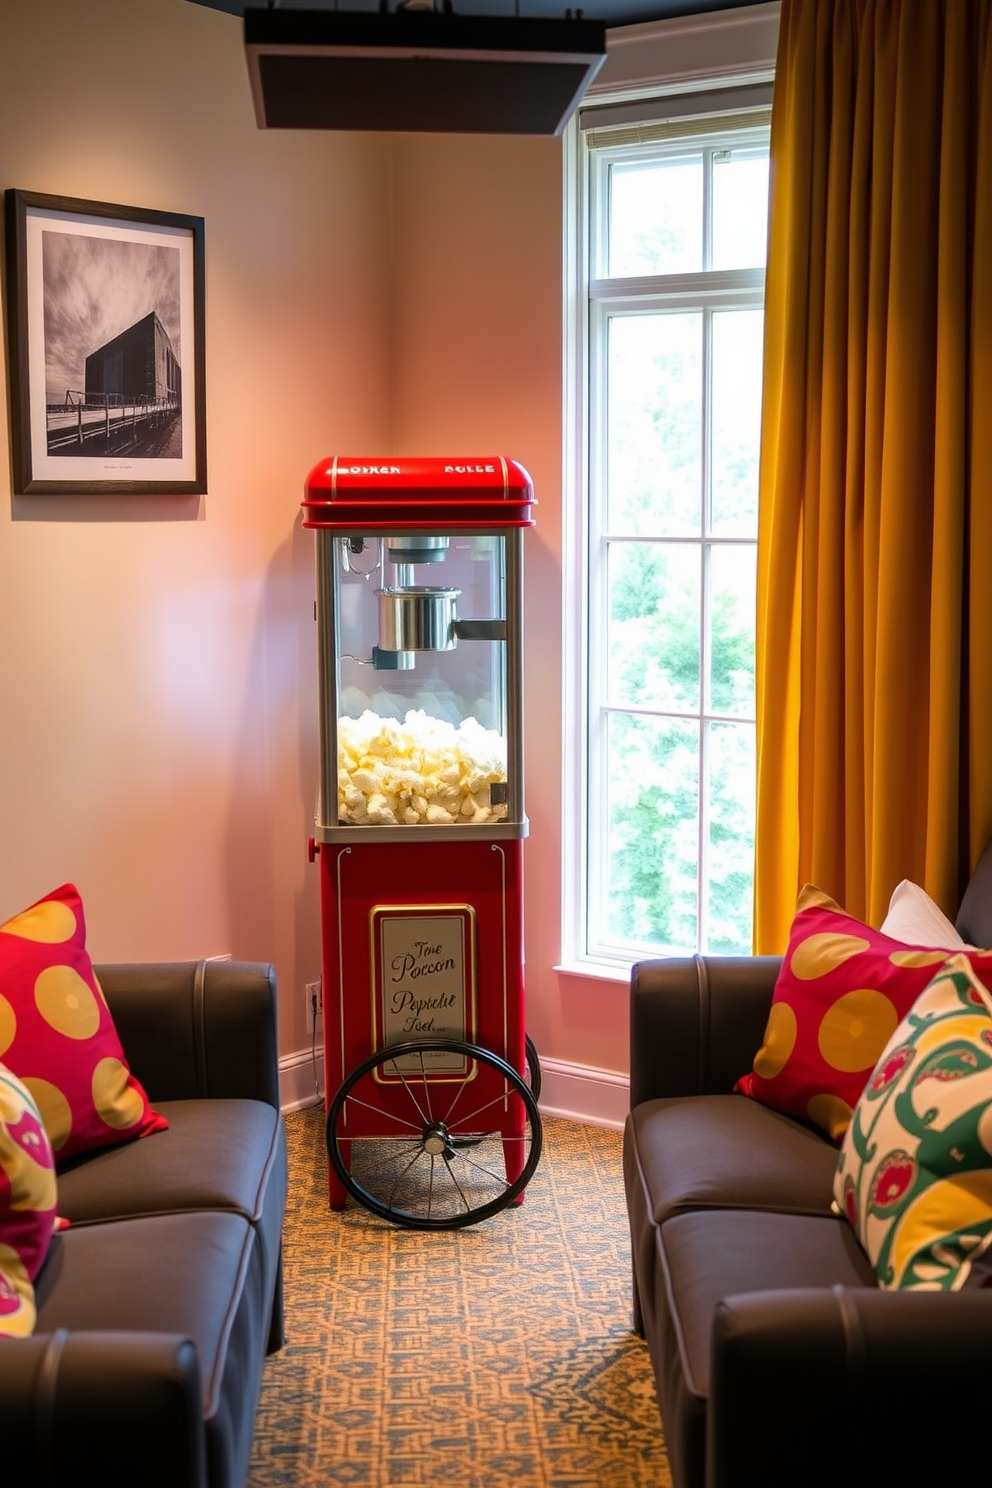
(27, 1203)
(914, 1176)
(57, 1035)
(841, 991)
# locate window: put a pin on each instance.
(676, 216)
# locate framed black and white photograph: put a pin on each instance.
(105, 347)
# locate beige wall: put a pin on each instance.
(157, 699)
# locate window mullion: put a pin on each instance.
(597, 619)
(728, 286)
(702, 860)
(599, 745)
(707, 210)
(705, 639)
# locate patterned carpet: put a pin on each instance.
(496, 1355)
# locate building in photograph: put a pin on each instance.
(137, 364)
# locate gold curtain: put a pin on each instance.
(874, 642)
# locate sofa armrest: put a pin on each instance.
(820, 1386)
(67, 1400)
(197, 1028)
(696, 1022)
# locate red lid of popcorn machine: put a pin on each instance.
(361, 494)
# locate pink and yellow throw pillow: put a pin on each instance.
(841, 991)
(57, 1035)
(914, 1176)
(27, 1204)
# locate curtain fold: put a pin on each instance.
(874, 639)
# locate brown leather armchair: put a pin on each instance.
(156, 1308)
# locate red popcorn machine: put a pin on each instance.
(430, 1079)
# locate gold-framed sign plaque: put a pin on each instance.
(423, 960)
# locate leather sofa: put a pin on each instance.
(157, 1306)
(778, 1361)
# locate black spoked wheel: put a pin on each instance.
(533, 1067)
(446, 1160)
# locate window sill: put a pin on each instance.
(599, 971)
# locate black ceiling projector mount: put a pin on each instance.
(419, 68)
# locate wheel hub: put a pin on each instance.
(435, 1140)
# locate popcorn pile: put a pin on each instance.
(420, 770)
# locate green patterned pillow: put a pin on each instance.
(914, 1176)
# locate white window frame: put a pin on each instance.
(579, 844)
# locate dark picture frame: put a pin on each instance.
(105, 347)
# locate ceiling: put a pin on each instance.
(612, 12)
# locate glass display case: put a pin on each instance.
(419, 644)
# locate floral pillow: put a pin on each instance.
(57, 1034)
(841, 991)
(914, 1176)
(27, 1204)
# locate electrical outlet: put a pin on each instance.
(315, 1006)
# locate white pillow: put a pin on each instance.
(915, 919)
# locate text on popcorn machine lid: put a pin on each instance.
(378, 495)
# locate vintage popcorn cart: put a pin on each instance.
(432, 1119)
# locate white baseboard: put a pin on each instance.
(298, 1074)
(575, 1092)
(578, 1092)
